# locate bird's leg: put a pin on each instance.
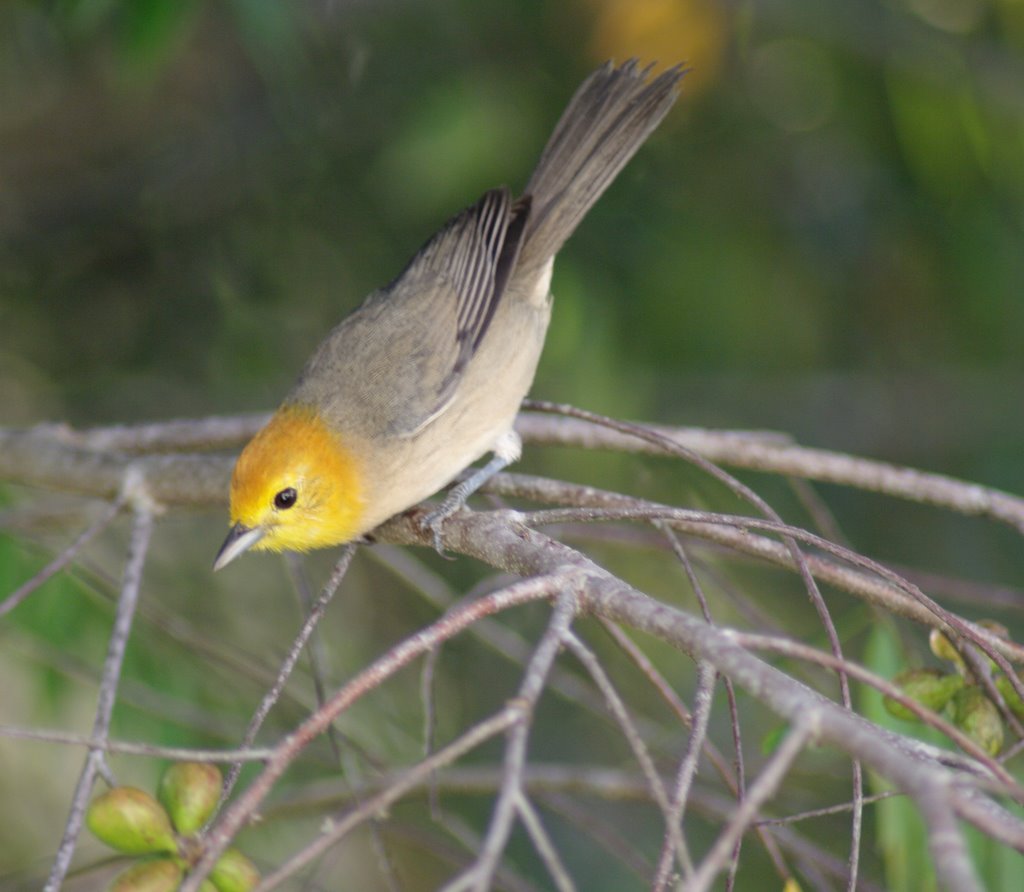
(506, 450)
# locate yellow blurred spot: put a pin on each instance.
(791, 886)
(666, 31)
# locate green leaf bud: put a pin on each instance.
(979, 719)
(929, 687)
(131, 821)
(190, 792)
(151, 875)
(234, 873)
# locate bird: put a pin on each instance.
(427, 375)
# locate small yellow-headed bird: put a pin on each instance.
(427, 375)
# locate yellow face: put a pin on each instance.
(296, 484)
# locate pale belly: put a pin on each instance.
(484, 408)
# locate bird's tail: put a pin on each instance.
(612, 113)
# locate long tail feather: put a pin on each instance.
(607, 120)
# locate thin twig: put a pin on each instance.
(510, 644)
(315, 650)
(674, 838)
(818, 510)
(138, 548)
(480, 875)
(999, 649)
(650, 672)
(234, 817)
(543, 844)
(593, 823)
(338, 829)
(294, 652)
(759, 792)
(812, 814)
(64, 558)
(731, 780)
(427, 677)
(706, 676)
(730, 691)
(879, 585)
(452, 848)
(317, 663)
(762, 453)
(130, 748)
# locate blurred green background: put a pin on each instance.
(824, 238)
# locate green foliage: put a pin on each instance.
(929, 687)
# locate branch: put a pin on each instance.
(97, 462)
(492, 538)
(60, 457)
(141, 532)
(552, 784)
(687, 770)
(379, 804)
(758, 793)
(674, 842)
(479, 876)
(294, 652)
(244, 808)
(64, 558)
(131, 748)
(776, 455)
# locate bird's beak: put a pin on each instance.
(241, 538)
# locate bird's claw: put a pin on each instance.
(434, 523)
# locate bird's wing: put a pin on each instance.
(472, 257)
(396, 362)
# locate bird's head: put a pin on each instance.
(295, 487)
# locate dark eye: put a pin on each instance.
(285, 498)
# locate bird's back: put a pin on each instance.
(429, 372)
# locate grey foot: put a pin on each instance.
(434, 521)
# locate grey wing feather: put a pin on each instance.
(472, 256)
(413, 339)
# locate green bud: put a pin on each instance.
(978, 718)
(234, 873)
(190, 792)
(131, 821)
(943, 648)
(152, 875)
(1011, 697)
(929, 687)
